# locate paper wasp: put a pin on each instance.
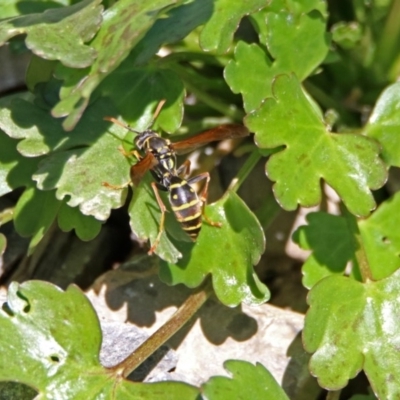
(158, 155)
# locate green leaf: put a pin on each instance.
(15, 170)
(145, 217)
(240, 81)
(35, 211)
(124, 25)
(347, 162)
(217, 34)
(34, 214)
(57, 335)
(149, 86)
(79, 175)
(240, 244)
(352, 326)
(41, 133)
(86, 227)
(384, 124)
(297, 44)
(62, 43)
(13, 8)
(381, 238)
(179, 22)
(248, 382)
(332, 244)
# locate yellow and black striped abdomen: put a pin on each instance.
(186, 206)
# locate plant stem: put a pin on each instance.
(187, 56)
(248, 166)
(206, 98)
(184, 313)
(6, 215)
(360, 254)
(387, 47)
(333, 395)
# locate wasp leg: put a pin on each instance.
(203, 196)
(162, 220)
(184, 169)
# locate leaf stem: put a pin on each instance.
(333, 395)
(360, 254)
(210, 100)
(187, 56)
(6, 215)
(184, 313)
(387, 46)
(248, 166)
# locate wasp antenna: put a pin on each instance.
(115, 121)
(157, 112)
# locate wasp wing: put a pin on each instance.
(227, 131)
(141, 167)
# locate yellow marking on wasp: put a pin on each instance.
(145, 143)
(178, 185)
(189, 218)
(192, 228)
(186, 205)
(175, 197)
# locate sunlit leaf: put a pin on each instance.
(352, 326)
(349, 163)
(124, 25)
(55, 346)
(295, 43)
(384, 124)
(240, 244)
(14, 8)
(79, 176)
(381, 238)
(218, 32)
(248, 382)
(62, 43)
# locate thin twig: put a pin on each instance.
(184, 313)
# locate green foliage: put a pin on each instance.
(248, 382)
(342, 332)
(300, 85)
(58, 336)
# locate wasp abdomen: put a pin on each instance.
(186, 206)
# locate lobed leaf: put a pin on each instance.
(55, 345)
(34, 214)
(124, 25)
(332, 245)
(384, 124)
(217, 34)
(248, 382)
(240, 244)
(296, 44)
(352, 326)
(381, 238)
(86, 227)
(40, 133)
(15, 170)
(79, 175)
(62, 42)
(14, 8)
(349, 163)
